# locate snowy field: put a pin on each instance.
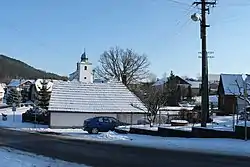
(223, 146)
(14, 158)
(14, 120)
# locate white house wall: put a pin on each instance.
(67, 120)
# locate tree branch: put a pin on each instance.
(118, 62)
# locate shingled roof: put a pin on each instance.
(233, 84)
(75, 96)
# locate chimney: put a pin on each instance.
(124, 79)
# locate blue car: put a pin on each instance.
(101, 124)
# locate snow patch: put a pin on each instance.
(14, 120)
(14, 158)
(112, 136)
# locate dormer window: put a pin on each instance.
(85, 68)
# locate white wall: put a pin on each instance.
(66, 120)
(85, 75)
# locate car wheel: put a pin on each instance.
(94, 131)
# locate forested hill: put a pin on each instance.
(13, 69)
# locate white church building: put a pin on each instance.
(84, 71)
(79, 99)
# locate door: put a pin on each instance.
(107, 124)
(101, 124)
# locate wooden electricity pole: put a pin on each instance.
(204, 87)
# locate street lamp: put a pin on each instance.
(245, 102)
(196, 17)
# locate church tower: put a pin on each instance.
(84, 68)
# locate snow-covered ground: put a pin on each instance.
(14, 120)
(14, 158)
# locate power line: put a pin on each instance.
(178, 2)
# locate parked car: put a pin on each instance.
(101, 124)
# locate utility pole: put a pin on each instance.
(204, 87)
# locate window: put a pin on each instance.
(100, 119)
(85, 77)
(85, 68)
(113, 120)
(106, 120)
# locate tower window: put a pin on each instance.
(85, 67)
(85, 77)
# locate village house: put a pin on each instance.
(74, 101)
(19, 84)
(230, 92)
(195, 87)
(183, 83)
(2, 92)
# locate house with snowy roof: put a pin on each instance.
(74, 101)
(1, 93)
(230, 93)
(183, 82)
(20, 84)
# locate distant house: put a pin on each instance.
(178, 81)
(195, 87)
(230, 93)
(183, 83)
(20, 84)
(73, 102)
(1, 93)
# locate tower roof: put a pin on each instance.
(84, 57)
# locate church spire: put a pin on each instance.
(84, 57)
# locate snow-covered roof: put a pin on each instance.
(1, 91)
(194, 84)
(211, 78)
(231, 84)
(3, 85)
(74, 75)
(212, 99)
(160, 82)
(99, 80)
(93, 97)
(18, 82)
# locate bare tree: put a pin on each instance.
(117, 62)
(153, 99)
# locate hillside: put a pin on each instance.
(11, 68)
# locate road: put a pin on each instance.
(104, 154)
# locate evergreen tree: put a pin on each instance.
(25, 95)
(43, 95)
(189, 94)
(178, 93)
(14, 96)
(171, 87)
